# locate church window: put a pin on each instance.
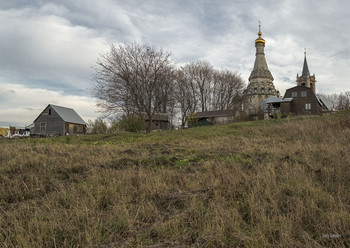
(303, 93)
(308, 106)
(294, 94)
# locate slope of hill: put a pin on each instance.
(278, 183)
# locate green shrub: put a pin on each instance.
(290, 114)
(114, 127)
(131, 123)
(277, 115)
(98, 126)
(192, 120)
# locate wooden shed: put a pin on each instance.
(160, 121)
(216, 117)
(56, 120)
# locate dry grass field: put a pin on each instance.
(278, 183)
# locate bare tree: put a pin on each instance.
(200, 87)
(339, 101)
(199, 74)
(227, 86)
(343, 101)
(134, 79)
(185, 97)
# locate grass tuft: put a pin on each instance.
(278, 183)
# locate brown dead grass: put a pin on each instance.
(269, 184)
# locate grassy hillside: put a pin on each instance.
(278, 183)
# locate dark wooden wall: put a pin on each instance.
(298, 104)
(285, 107)
(156, 125)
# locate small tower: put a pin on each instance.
(260, 84)
(305, 79)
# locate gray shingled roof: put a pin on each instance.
(273, 99)
(68, 115)
(326, 102)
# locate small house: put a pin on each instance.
(299, 100)
(3, 131)
(59, 121)
(305, 101)
(160, 121)
(211, 118)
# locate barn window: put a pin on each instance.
(294, 94)
(303, 93)
(42, 126)
(308, 106)
(49, 111)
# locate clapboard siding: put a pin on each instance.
(54, 123)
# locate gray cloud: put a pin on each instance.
(52, 45)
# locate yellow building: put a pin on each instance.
(3, 131)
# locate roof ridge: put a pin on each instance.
(59, 106)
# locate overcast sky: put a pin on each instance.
(48, 48)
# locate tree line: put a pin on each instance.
(339, 101)
(138, 81)
(142, 80)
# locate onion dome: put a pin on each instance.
(259, 39)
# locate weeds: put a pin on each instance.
(282, 183)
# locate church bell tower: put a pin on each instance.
(305, 79)
(260, 84)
